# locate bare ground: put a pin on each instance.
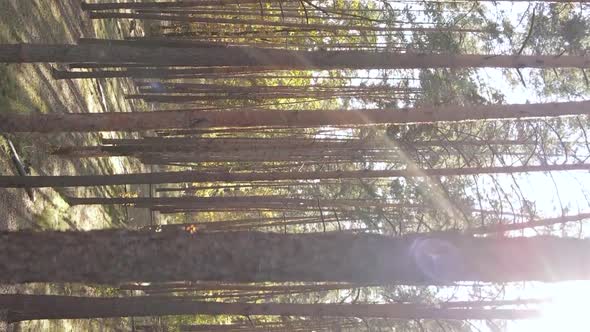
(30, 88)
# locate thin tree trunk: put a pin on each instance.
(210, 97)
(501, 228)
(137, 121)
(237, 295)
(194, 177)
(256, 185)
(306, 325)
(207, 72)
(257, 289)
(260, 22)
(199, 87)
(284, 13)
(249, 201)
(288, 326)
(170, 4)
(223, 224)
(491, 303)
(238, 287)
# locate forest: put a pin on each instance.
(294, 165)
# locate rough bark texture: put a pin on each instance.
(137, 121)
(271, 58)
(118, 256)
(32, 307)
(128, 147)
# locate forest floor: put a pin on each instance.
(30, 88)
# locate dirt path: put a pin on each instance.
(30, 88)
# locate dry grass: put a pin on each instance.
(30, 88)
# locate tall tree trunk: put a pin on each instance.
(137, 121)
(170, 4)
(283, 326)
(231, 224)
(230, 145)
(127, 52)
(501, 228)
(307, 157)
(261, 22)
(290, 326)
(33, 307)
(172, 287)
(220, 3)
(194, 177)
(119, 256)
(196, 203)
(272, 149)
(206, 72)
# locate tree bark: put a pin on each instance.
(195, 177)
(172, 287)
(196, 202)
(170, 4)
(33, 307)
(209, 3)
(229, 224)
(501, 228)
(138, 121)
(261, 22)
(271, 58)
(119, 256)
(206, 72)
(260, 149)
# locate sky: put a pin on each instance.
(552, 194)
(568, 309)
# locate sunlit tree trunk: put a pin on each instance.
(209, 72)
(190, 286)
(169, 4)
(137, 121)
(501, 228)
(194, 177)
(261, 22)
(127, 52)
(243, 201)
(119, 256)
(251, 147)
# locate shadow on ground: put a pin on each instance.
(30, 88)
